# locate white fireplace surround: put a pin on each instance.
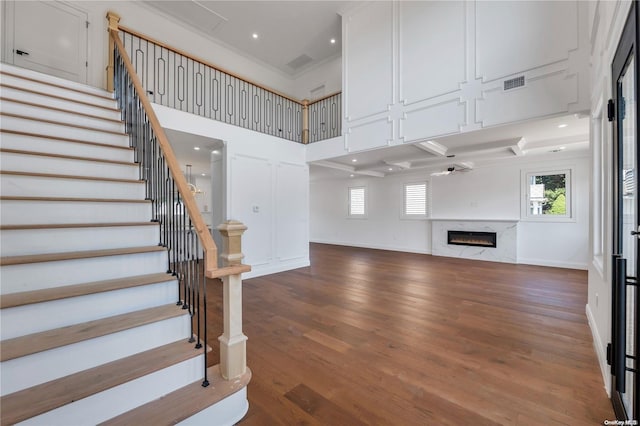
(506, 249)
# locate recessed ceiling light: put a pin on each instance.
(354, 160)
(254, 35)
(390, 169)
(351, 175)
(562, 126)
(204, 174)
(215, 151)
(333, 41)
(197, 148)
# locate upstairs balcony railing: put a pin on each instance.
(182, 81)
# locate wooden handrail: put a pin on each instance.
(206, 239)
(203, 62)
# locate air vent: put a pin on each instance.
(300, 61)
(514, 82)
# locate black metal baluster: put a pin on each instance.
(205, 382)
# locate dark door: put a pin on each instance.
(624, 363)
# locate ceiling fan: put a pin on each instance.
(456, 168)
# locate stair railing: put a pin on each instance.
(180, 80)
(192, 252)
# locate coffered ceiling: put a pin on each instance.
(550, 137)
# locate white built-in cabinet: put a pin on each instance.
(416, 70)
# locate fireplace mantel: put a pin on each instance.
(507, 239)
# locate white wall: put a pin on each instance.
(266, 187)
(418, 70)
(328, 74)
(606, 21)
(383, 228)
(490, 192)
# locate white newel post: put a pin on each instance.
(233, 347)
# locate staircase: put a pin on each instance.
(90, 329)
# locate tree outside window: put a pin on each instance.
(548, 194)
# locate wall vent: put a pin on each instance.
(514, 82)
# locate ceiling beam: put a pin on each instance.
(518, 148)
(346, 168)
(405, 165)
(486, 146)
(433, 148)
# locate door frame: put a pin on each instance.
(627, 45)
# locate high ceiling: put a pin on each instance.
(292, 36)
(295, 36)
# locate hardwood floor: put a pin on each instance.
(386, 338)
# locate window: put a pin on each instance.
(548, 195)
(415, 200)
(357, 201)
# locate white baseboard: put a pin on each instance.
(600, 352)
(371, 246)
(553, 263)
(268, 269)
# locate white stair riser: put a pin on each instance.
(17, 185)
(58, 240)
(57, 91)
(21, 373)
(37, 276)
(120, 399)
(54, 146)
(27, 73)
(65, 166)
(226, 412)
(62, 131)
(34, 318)
(37, 212)
(45, 100)
(61, 116)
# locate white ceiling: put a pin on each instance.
(467, 150)
(288, 31)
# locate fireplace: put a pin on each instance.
(470, 238)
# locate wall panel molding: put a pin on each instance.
(368, 62)
(426, 69)
(443, 118)
(508, 35)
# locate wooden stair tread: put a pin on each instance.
(76, 177)
(62, 98)
(48, 83)
(39, 399)
(50, 339)
(66, 157)
(58, 138)
(66, 111)
(72, 255)
(71, 199)
(184, 402)
(60, 123)
(75, 290)
(74, 225)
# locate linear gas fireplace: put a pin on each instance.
(468, 238)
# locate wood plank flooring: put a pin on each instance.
(386, 338)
